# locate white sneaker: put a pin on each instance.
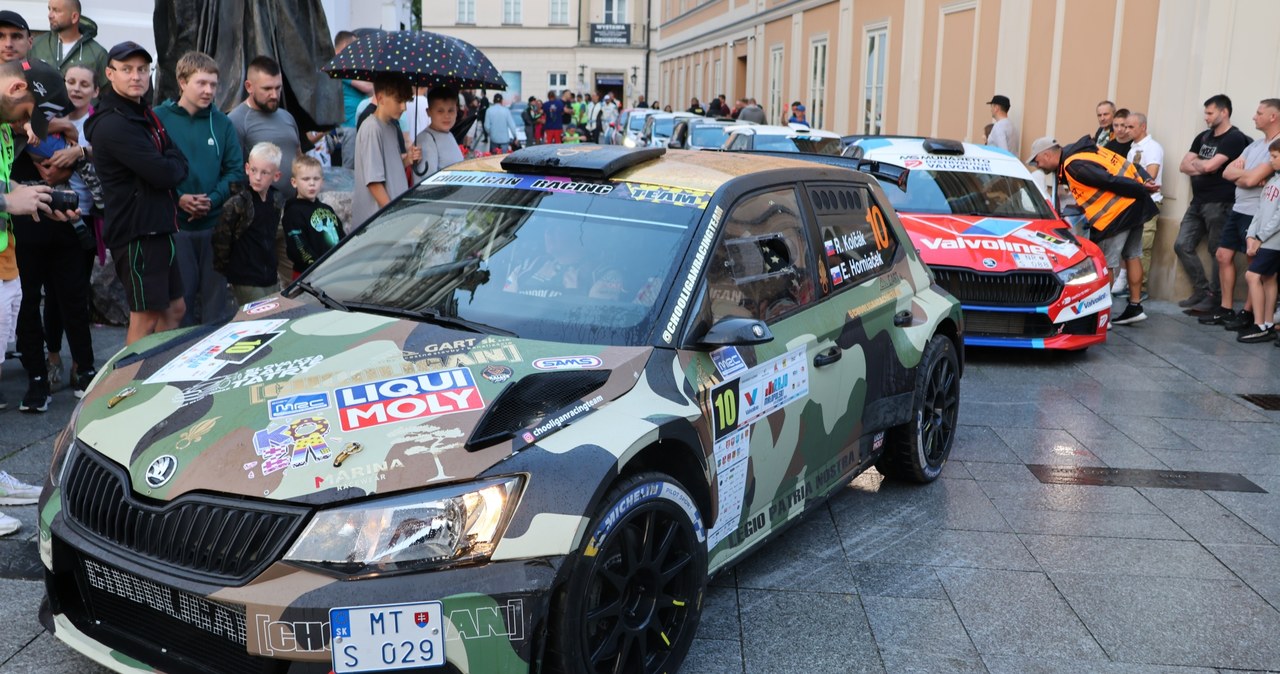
(16, 492)
(8, 525)
(1121, 282)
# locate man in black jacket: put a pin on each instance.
(1116, 197)
(139, 167)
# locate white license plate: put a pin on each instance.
(387, 638)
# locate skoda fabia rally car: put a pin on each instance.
(992, 240)
(512, 423)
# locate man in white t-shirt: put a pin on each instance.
(1003, 135)
(1147, 153)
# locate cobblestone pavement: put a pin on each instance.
(988, 569)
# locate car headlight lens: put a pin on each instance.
(1080, 273)
(440, 527)
(629, 142)
(62, 448)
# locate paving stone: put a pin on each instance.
(923, 625)
(1257, 565)
(720, 614)
(1260, 511)
(1219, 461)
(19, 602)
(980, 443)
(1076, 554)
(714, 656)
(1102, 525)
(1018, 613)
(804, 631)
(803, 558)
(1204, 518)
(945, 504)
(1008, 496)
(1047, 446)
(45, 655)
(1144, 619)
(938, 547)
(911, 661)
(897, 580)
(983, 471)
(1009, 664)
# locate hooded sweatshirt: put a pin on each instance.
(139, 167)
(215, 160)
(86, 51)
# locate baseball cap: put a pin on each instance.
(800, 107)
(13, 18)
(50, 92)
(999, 100)
(126, 49)
(1040, 145)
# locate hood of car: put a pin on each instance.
(290, 402)
(992, 244)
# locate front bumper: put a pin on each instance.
(1031, 328)
(130, 618)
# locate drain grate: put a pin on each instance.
(1267, 401)
(1141, 477)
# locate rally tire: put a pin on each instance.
(634, 593)
(917, 450)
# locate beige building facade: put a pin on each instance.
(543, 45)
(927, 67)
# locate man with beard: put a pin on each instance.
(70, 41)
(140, 168)
(260, 119)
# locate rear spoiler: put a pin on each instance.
(891, 173)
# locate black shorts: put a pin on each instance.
(1266, 262)
(1233, 232)
(148, 268)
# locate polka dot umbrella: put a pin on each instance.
(424, 58)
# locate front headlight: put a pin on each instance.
(629, 142)
(62, 448)
(1080, 273)
(435, 528)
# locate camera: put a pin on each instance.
(63, 200)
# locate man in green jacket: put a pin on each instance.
(215, 161)
(70, 41)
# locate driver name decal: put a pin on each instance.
(421, 396)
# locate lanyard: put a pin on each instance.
(6, 165)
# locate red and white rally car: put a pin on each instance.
(979, 221)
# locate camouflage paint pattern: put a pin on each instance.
(654, 403)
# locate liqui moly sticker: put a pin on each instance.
(420, 396)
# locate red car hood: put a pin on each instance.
(991, 244)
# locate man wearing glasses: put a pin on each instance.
(140, 168)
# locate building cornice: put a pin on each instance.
(740, 29)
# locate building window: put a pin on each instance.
(466, 11)
(697, 82)
(615, 11)
(817, 82)
(557, 81)
(776, 109)
(511, 12)
(717, 78)
(873, 94)
(560, 12)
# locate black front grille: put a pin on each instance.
(1007, 324)
(199, 537)
(1010, 289)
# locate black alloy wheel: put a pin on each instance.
(917, 450)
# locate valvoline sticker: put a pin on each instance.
(419, 396)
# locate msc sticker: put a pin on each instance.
(161, 471)
(728, 361)
(568, 363)
(421, 396)
(297, 404)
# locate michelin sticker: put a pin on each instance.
(205, 358)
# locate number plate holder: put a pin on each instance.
(387, 637)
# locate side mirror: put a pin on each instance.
(736, 331)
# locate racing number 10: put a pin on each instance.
(724, 417)
(879, 227)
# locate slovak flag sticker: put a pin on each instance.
(422, 618)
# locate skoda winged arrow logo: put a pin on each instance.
(161, 470)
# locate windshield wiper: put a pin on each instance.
(432, 316)
(322, 296)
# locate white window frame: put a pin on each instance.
(512, 12)
(558, 81)
(697, 85)
(559, 15)
(717, 77)
(875, 64)
(615, 11)
(775, 85)
(818, 60)
(466, 11)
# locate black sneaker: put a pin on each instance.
(80, 381)
(37, 398)
(1217, 316)
(1239, 321)
(1132, 314)
(1254, 334)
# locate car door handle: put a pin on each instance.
(828, 357)
(902, 318)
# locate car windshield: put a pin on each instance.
(967, 193)
(807, 144)
(707, 136)
(662, 126)
(636, 122)
(587, 267)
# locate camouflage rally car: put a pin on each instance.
(512, 423)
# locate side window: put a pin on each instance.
(858, 242)
(741, 141)
(761, 266)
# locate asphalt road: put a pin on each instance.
(989, 569)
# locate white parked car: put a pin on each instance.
(791, 138)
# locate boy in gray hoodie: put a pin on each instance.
(1262, 243)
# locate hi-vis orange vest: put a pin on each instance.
(1101, 207)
